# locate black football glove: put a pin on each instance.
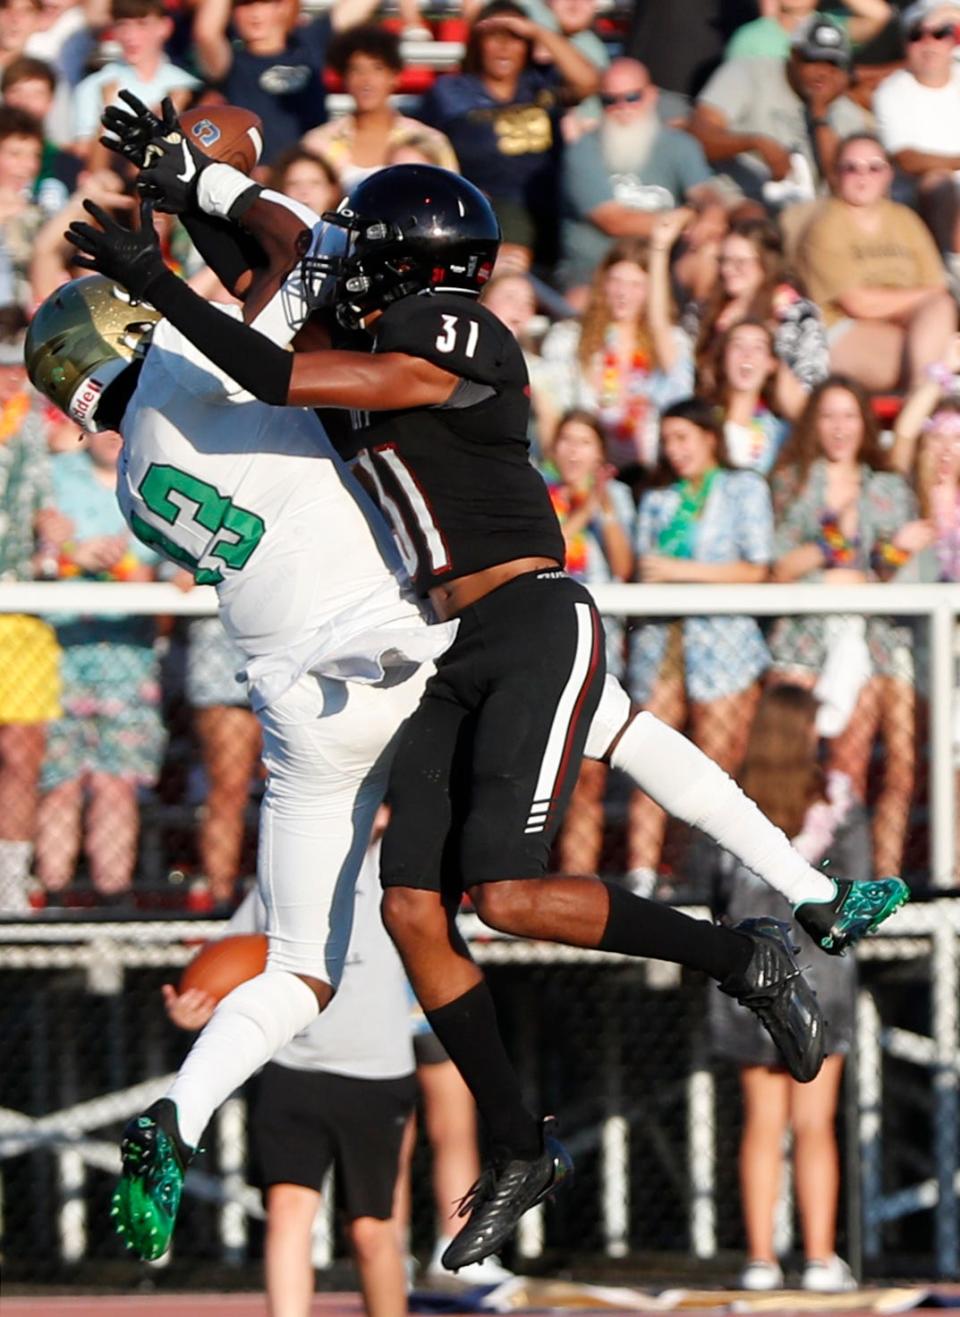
(132, 134)
(131, 257)
(171, 173)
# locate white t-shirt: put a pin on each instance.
(254, 500)
(365, 1032)
(911, 116)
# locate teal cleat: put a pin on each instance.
(857, 908)
(147, 1198)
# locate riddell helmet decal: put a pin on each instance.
(84, 401)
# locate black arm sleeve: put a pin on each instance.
(229, 250)
(256, 364)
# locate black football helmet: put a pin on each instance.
(411, 229)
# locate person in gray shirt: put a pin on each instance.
(774, 125)
(620, 174)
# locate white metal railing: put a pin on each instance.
(939, 605)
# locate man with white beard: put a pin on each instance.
(624, 172)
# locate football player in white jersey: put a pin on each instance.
(660, 760)
(255, 502)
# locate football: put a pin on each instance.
(221, 966)
(225, 133)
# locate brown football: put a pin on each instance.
(221, 966)
(226, 133)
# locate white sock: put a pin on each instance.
(249, 1026)
(15, 876)
(440, 1247)
(691, 787)
(642, 881)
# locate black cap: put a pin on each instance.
(820, 39)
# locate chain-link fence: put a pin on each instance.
(621, 1050)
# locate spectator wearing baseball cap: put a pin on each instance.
(770, 37)
(779, 121)
(918, 115)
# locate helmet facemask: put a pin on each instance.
(375, 268)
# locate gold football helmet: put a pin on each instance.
(79, 341)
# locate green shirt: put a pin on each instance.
(764, 38)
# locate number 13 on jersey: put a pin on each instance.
(194, 510)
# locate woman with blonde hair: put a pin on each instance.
(825, 821)
(626, 358)
(843, 518)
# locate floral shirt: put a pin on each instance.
(799, 337)
(628, 404)
(722, 655)
(25, 488)
(886, 503)
(755, 446)
(114, 654)
(945, 511)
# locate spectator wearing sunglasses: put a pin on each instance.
(767, 121)
(918, 115)
(624, 173)
(874, 270)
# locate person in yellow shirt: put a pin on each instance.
(874, 270)
(29, 655)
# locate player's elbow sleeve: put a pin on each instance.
(267, 375)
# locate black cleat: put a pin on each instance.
(773, 987)
(502, 1194)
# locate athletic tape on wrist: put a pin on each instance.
(220, 187)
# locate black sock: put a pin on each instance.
(467, 1028)
(636, 927)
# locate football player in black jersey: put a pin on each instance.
(438, 420)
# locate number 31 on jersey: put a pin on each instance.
(450, 337)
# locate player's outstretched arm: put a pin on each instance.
(252, 259)
(136, 134)
(386, 382)
(277, 294)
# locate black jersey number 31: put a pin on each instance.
(446, 341)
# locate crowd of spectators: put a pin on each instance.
(730, 245)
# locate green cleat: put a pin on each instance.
(857, 908)
(146, 1200)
